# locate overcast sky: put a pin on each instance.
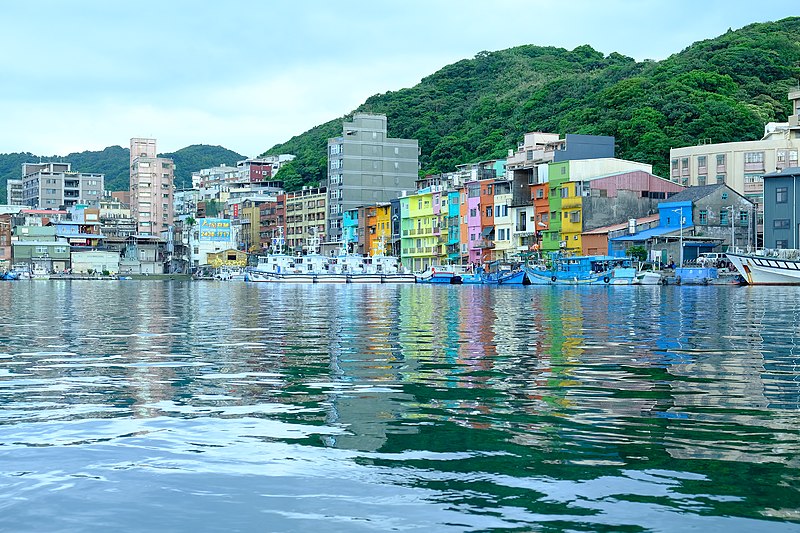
(83, 75)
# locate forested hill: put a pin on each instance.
(114, 163)
(719, 90)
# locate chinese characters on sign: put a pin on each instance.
(215, 229)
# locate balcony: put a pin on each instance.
(484, 244)
(574, 202)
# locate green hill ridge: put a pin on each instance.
(719, 90)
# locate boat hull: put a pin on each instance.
(764, 270)
(617, 276)
(398, 278)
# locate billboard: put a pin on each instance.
(214, 229)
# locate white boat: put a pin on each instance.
(648, 278)
(781, 267)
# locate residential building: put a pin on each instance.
(151, 188)
(5, 241)
(305, 216)
(56, 185)
(262, 170)
(568, 182)
(420, 230)
(452, 223)
(782, 209)
(366, 166)
(273, 219)
(14, 192)
(529, 164)
(741, 165)
(378, 229)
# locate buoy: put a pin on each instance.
(606, 279)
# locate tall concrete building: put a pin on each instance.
(56, 185)
(151, 188)
(365, 167)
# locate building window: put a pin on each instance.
(743, 217)
(780, 223)
(575, 217)
(754, 161)
(781, 195)
(720, 178)
(723, 217)
(703, 217)
(782, 244)
(489, 212)
(702, 166)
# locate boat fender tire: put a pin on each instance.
(677, 280)
(553, 279)
(606, 279)
(663, 281)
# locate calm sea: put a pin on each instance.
(177, 406)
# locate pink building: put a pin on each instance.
(151, 188)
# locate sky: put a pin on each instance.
(86, 74)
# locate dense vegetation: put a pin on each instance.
(114, 163)
(720, 90)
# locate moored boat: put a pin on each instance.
(583, 270)
(780, 268)
(440, 274)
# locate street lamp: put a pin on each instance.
(680, 221)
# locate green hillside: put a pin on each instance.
(114, 163)
(722, 89)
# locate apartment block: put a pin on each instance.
(365, 167)
(305, 216)
(56, 185)
(151, 188)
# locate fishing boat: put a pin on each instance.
(39, 272)
(583, 270)
(779, 267)
(441, 275)
(496, 274)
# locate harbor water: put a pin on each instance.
(224, 406)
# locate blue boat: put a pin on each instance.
(583, 270)
(496, 275)
(9, 276)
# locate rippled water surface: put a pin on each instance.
(141, 406)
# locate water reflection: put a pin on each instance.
(476, 407)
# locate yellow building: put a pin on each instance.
(250, 217)
(379, 228)
(228, 258)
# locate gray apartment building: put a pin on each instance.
(365, 167)
(54, 185)
(782, 209)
